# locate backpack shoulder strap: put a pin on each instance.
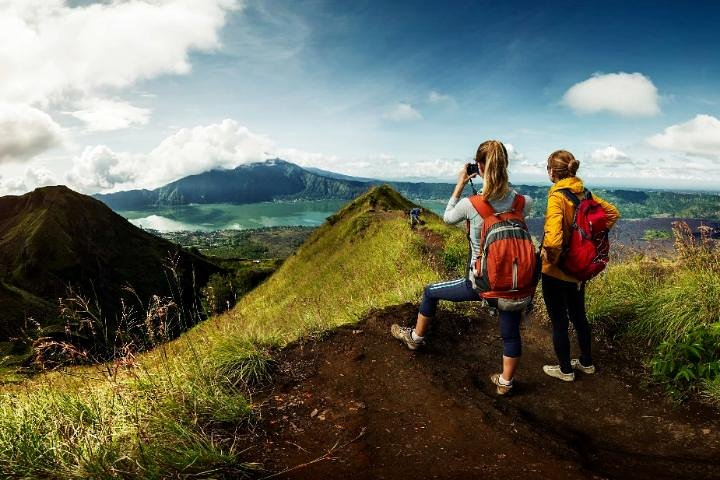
(482, 206)
(518, 204)
(570, 196)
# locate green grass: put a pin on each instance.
(174, 411)
(654, 234)
(673, 306)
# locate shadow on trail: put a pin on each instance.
(364, 406)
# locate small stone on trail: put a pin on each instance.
(313, 413)
(355, 332)
(706, 431)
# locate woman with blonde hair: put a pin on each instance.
(564, 295)
(491, 162)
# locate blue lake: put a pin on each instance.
(224, 216)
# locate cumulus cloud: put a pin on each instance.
(34, 177)
(627, 94)
(54, 56)
(26, 131)
(187, 152)
(111, 44)
(513, 154)
(99, 168)
(608, 156)
(102, 115)
(194, 150)
(402, 112)
(699, 136)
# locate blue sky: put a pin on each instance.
(144, 92)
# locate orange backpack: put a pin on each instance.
(509, 265)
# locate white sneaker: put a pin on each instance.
(554, 371)
(404, 334)
(576, 365)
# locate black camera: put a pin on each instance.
(471, 168)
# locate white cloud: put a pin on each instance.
(187, 152)
(513, 154)
(609, 156)
(440, 98)
(627, 94)
(48, 48)
(699, 136)
(26, 131)
(57, 57)
(195, 150)
(102, 115)
(34, 177)
(99, 168)
(402, 112)
(307, 159)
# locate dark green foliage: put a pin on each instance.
(255, 244)
(59, 244)
(223, 290)
(654, 234)
(693, 357)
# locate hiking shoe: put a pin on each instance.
(500, 388)
(576, 365)
(554, 371)
(404, 334)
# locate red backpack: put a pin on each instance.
(586, 251)
(508, 265)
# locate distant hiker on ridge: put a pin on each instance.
(415, 217)
(570, 257)
(503, 265)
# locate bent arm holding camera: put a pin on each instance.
(454, 213)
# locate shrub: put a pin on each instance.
(694, 357)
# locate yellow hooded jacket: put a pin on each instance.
(558, 223)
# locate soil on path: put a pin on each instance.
(384, 412)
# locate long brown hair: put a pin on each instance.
(493, 155)
(563, 164)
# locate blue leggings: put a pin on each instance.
(460, 290)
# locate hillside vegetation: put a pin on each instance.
(187, 408)
(176, 409)
(672, 305)
(57, 243)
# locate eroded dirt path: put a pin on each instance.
(434, 414)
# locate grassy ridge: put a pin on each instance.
(174, 411)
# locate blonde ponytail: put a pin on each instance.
(494, 156)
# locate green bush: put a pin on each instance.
(673, 306)
(695, 357)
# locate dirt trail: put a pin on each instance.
(434, 414)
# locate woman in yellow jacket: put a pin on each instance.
(564, 295)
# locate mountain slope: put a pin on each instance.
(187, 400)
(54, 238)
(363, 257)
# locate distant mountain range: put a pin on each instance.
(261, 182)
(54, 239)
(277, 180)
